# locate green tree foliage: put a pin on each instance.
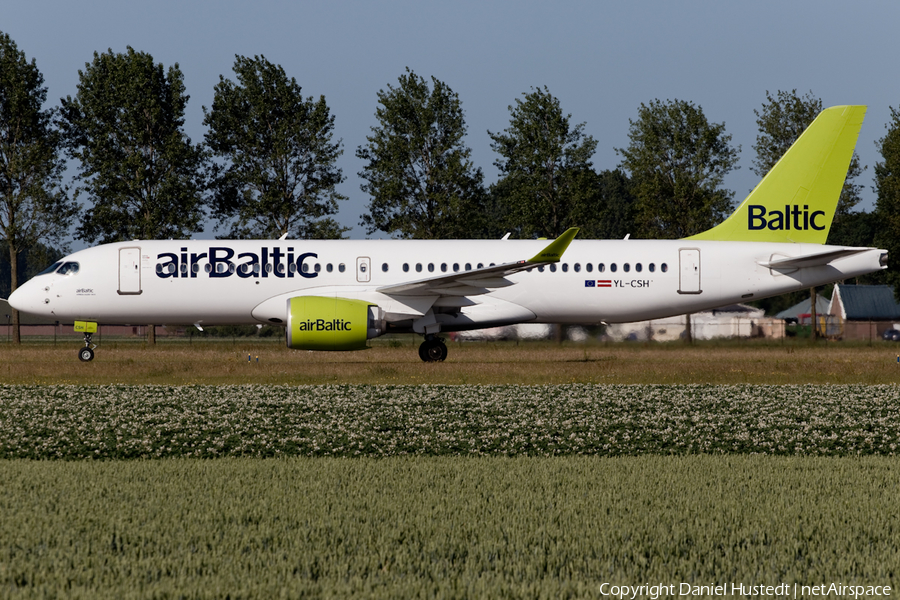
(677, 161)
(140, 171)
(887, 207)
(783, 118)
(547, 181)
(418, 171)
(34, 206)
(608, 211)
(278, 174)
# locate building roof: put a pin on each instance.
(823, 305)
(867, 302)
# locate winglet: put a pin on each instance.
(554, 250)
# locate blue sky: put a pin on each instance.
(601, 59)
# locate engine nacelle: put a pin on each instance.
(320, 323)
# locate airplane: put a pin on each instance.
(337, 294)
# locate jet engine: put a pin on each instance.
(320, 323)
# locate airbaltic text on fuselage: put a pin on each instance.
(793, 217)
(222, 262)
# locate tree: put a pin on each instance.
(609, 212)
(545, 162)
(419, 173)
(34, 206)
(677, 161)
(887, 205)
(782, 120)
(141, 172)
(278, 174)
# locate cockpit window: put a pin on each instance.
(69, 268)
(50, 269)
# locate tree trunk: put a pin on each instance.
(151, 334)
(14, 283)
(688, 334)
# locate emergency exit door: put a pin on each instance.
(689, 271)
(129, 271)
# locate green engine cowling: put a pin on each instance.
(320, 323)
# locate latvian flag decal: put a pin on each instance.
(598, 283)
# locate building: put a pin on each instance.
(864, 311)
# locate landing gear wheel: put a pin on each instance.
(433, 350)
(86, 354)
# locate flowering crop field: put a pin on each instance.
(133, 422)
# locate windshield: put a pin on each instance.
(69, 268)
(50, 269)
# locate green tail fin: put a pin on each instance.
(796, 200)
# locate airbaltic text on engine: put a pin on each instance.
(323, 325)
(268, 262)
(758, 218)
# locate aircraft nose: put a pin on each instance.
(27, 298)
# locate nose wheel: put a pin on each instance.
(86, 354)
(433, 350)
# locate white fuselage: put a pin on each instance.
(210, 282)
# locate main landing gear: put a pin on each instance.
(86, 354)
(433, 349)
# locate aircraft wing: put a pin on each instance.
(480, 281)
(815, 259)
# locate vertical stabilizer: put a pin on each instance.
(796, 200)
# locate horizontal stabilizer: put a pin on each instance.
(811, 260)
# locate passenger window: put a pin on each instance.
(664, 267)
(601, 267)
(317, 268)
(468, 266)
(480, 265)
(329, 267)
(418, 267)
(384, 267)
(304, 267)
(652, 267)
(589, 267)
(443, 267)
(456, 267)
(541, 269)
(626, 267)
(553, 267)
(208, 267)
(565, 267)
(431, 267)
(292, 267)
(255, 268)
(638, 267)
(184, 269)
(577, 267)
(612, 267)
(341, 267)
(406, 267)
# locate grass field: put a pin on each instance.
(442, 527)
(532, 363)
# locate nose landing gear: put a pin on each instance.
(432, 349)
(86, 354)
